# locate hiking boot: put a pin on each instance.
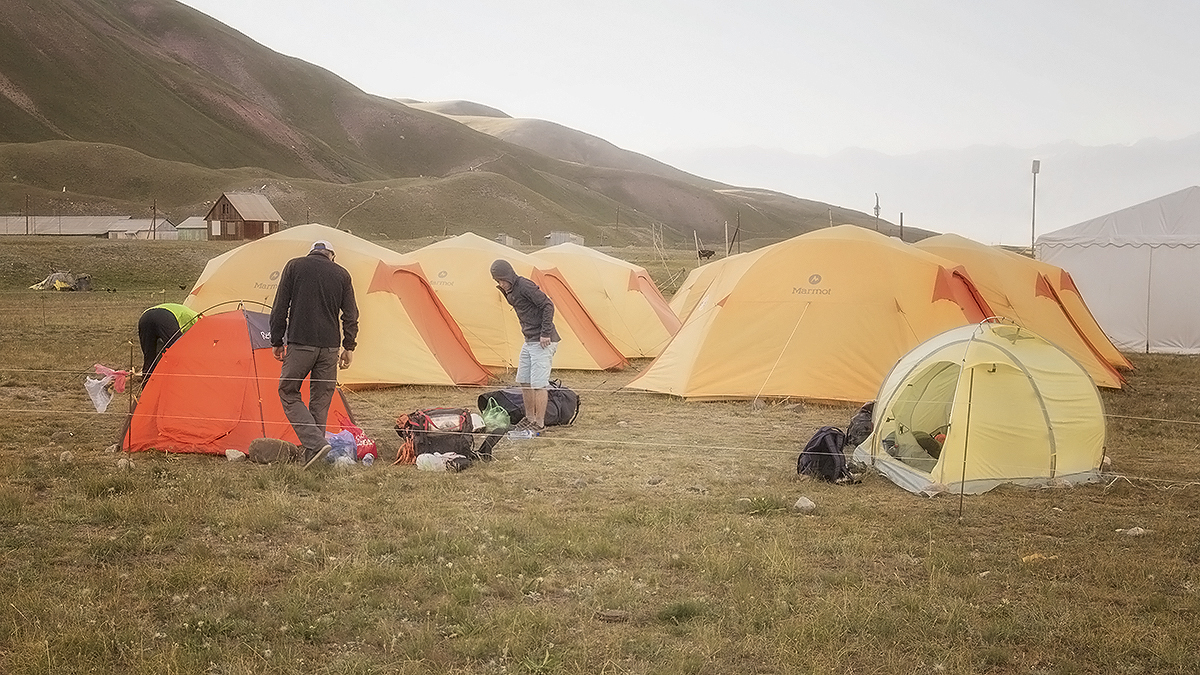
(316, 456)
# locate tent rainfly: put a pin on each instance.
(216, 388)
(1021, 290)
(1137, 267)
(982, 405)
(823, 316)
(405, 334)
(459, 270)
(620, 296)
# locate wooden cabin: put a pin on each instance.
(242, 215)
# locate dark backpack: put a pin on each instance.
(445, 430)
(562, 404)
(860, 426)
(822, 457)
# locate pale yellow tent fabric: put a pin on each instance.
(620, 296)
(1017, 289)
(459, 268)
(1012, 407)
(824, 315)
(404, 335)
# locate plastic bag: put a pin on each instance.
(341, 444)
(364, 445)
(495, 416)
(98, 391)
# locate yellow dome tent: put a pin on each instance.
(620, 296)
(982, 405)
(699, 280)
(405, 334)
(459, 269)
(823, 315)
(1019, 290)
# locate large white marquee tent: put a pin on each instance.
(1139, 269)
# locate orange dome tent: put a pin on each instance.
(217, 388)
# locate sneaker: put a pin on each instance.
(317, 455)
(523, 425)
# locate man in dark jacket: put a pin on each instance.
(314, 293)
(535, 311)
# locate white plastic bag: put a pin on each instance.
(98, 390)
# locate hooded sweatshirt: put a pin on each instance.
(534, 308)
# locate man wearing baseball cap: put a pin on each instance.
(314, 316)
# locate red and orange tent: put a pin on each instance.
(215, 389)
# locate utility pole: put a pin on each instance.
(901, 226)
(154, 220)
(876, 211)
(26, 213)
(1037, 164)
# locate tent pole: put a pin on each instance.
(962, 481)
(262, 417)
(1149, 293)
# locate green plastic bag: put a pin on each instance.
(495, 416)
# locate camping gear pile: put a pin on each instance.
(64, 281)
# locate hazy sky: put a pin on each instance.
(802, 76)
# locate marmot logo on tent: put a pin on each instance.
(442, 274)
(813, 280)
(275, 275)
(258, 285)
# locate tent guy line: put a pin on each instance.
(1155, 482)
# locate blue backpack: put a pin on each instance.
(822, 457)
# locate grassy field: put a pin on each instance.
(653, 536)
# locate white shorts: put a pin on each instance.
(533, 365)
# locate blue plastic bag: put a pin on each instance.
(341, 444)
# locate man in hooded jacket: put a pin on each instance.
(535, 312)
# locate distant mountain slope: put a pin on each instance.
(555, 140)
(80, 79)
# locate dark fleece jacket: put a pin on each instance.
(534, 308)
(314, 293)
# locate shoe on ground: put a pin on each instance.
(523, 425)
(317, 455)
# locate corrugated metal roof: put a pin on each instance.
(193, 223)
(144, 225)
(95, 226)
(252, 206)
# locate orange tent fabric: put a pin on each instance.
(1021, 290)
(822, 316)
(405, 334)
(217, 388)
(459, 270)
(620, 296)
